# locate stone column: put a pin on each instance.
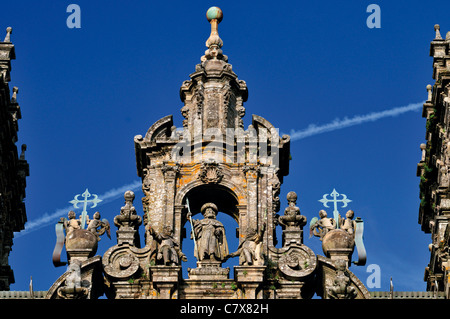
(166, 279)
(250, 278)
(251, 174)
(170, 172)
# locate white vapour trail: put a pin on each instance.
(53, 218)
(337, 124)
(311, 130)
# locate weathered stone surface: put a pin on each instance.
(327, 277)
(87, 284)
(433, 168)
(13, 166)
(81, 244)
(338, 244)
(211, 165)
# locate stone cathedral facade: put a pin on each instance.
(13, 167)
(433, 168)
(211, 164)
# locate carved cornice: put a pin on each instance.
(170, 170)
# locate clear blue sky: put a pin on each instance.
(85, 93)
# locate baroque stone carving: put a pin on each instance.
(199, 97)
(210, 173)
(72, 223)
(73, 286)
(146, 189)
(211, 242)
(339, 242)
(170, 171)
(250, 250)
(275, 197)
(120, 263)
(245, 187)
(292, 218)
(319, 227)
(341, 287)
(128, 222)
(128, 216)
(169, 251)
(297, 262)
(98, 227)
(347, 223)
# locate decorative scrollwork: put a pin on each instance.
(120, 263)
(297, 262)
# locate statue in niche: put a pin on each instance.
(319, 227)
(168, 251)
(292, 218)
(98, 227)
(250, 249)
(209, 235)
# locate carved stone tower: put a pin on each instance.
(433, 168)
(13, 167)
(213, 164)
(212, 158)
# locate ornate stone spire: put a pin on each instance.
(214, 42)
(438, 33)
(213, 98)
(8, 35)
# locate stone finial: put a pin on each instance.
(292, 222)
(14, 96)
(438, 34)
(214, 16)
(429, 88)
(127, 221)
(128, 216)
(423, 147)
(23, 149)
(8, 34)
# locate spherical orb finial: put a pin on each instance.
(214, 13)
(291, 197)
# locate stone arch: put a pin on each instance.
(220, 192)
(229, 202)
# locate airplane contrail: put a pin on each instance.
(338, 124)
(53, 218)
(311, 130)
